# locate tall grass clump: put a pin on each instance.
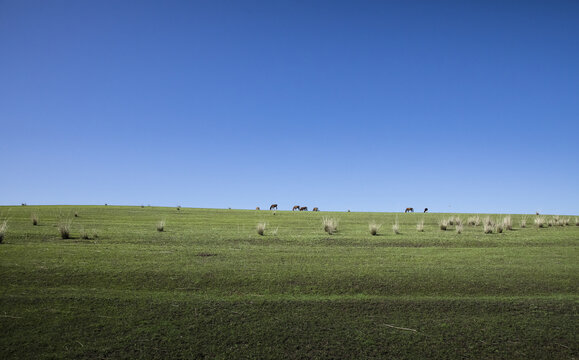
(459, 228)
(161, 226)
(524, 222)
(499, 227)
(373, 227)
(3, 227)
(64, 226)
(540, 221)
(443, 224)
(420, 226)
(396, 227)
(488, 221)
(508, 223)
(261, 228)
(330, 225)
(473, 221)
(576, 221)
(488, 228)
(34, 218)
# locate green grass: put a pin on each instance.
(210, 286)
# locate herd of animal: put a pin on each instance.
(305, 208)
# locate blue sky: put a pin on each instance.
(458, 106)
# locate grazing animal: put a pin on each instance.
(257, 208)
(409, 210)
(274, 206)
(425, 210)
(297, 207)
(316, 209)
(537, 213)
(304, 208)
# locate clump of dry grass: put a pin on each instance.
(540, 221)
(330, 225)
(373, 227)
(524, 222)
(488, 228)
(161, 226)
(84, 234)
(576, 221)
(64, 227)
(396, 227)
(3, 228)
(261, 228)
(488, 221)
(508, 222)
(34, 218)
(443, 224)
(459, 229)
(473, 221)
(499, 227)
(420, 226)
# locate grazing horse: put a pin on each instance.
(304, 208)
(297, 207)
(257, 208)
(409, 210)
(425, 210)
(316, 209)
(274, 206)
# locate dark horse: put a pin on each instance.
(304, 208)
(316, 209)
(274, 206)
(425, 210)
(409, 210)
(297, 207)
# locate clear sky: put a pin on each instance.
(458, 106)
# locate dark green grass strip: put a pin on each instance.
(87, 327)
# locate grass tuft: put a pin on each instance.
(34, 218)
(524, 222)
(499, 227)
(161, 226)
(261, 228)
(3, 227)
(540, 221)
(508, 223)
(420, 226)
(473, 221)
(373, 227)
(443, 224)
(330, 225)
(396, 227)
(459, 229)
(488, 228)
(64, 227)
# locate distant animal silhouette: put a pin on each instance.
(409, 210)
(537, 213)
(425, 210)
(274, 206)
(304, 208)
(297, 207)
(316, 209)
(257, 208)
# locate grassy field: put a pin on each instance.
(209, 286)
